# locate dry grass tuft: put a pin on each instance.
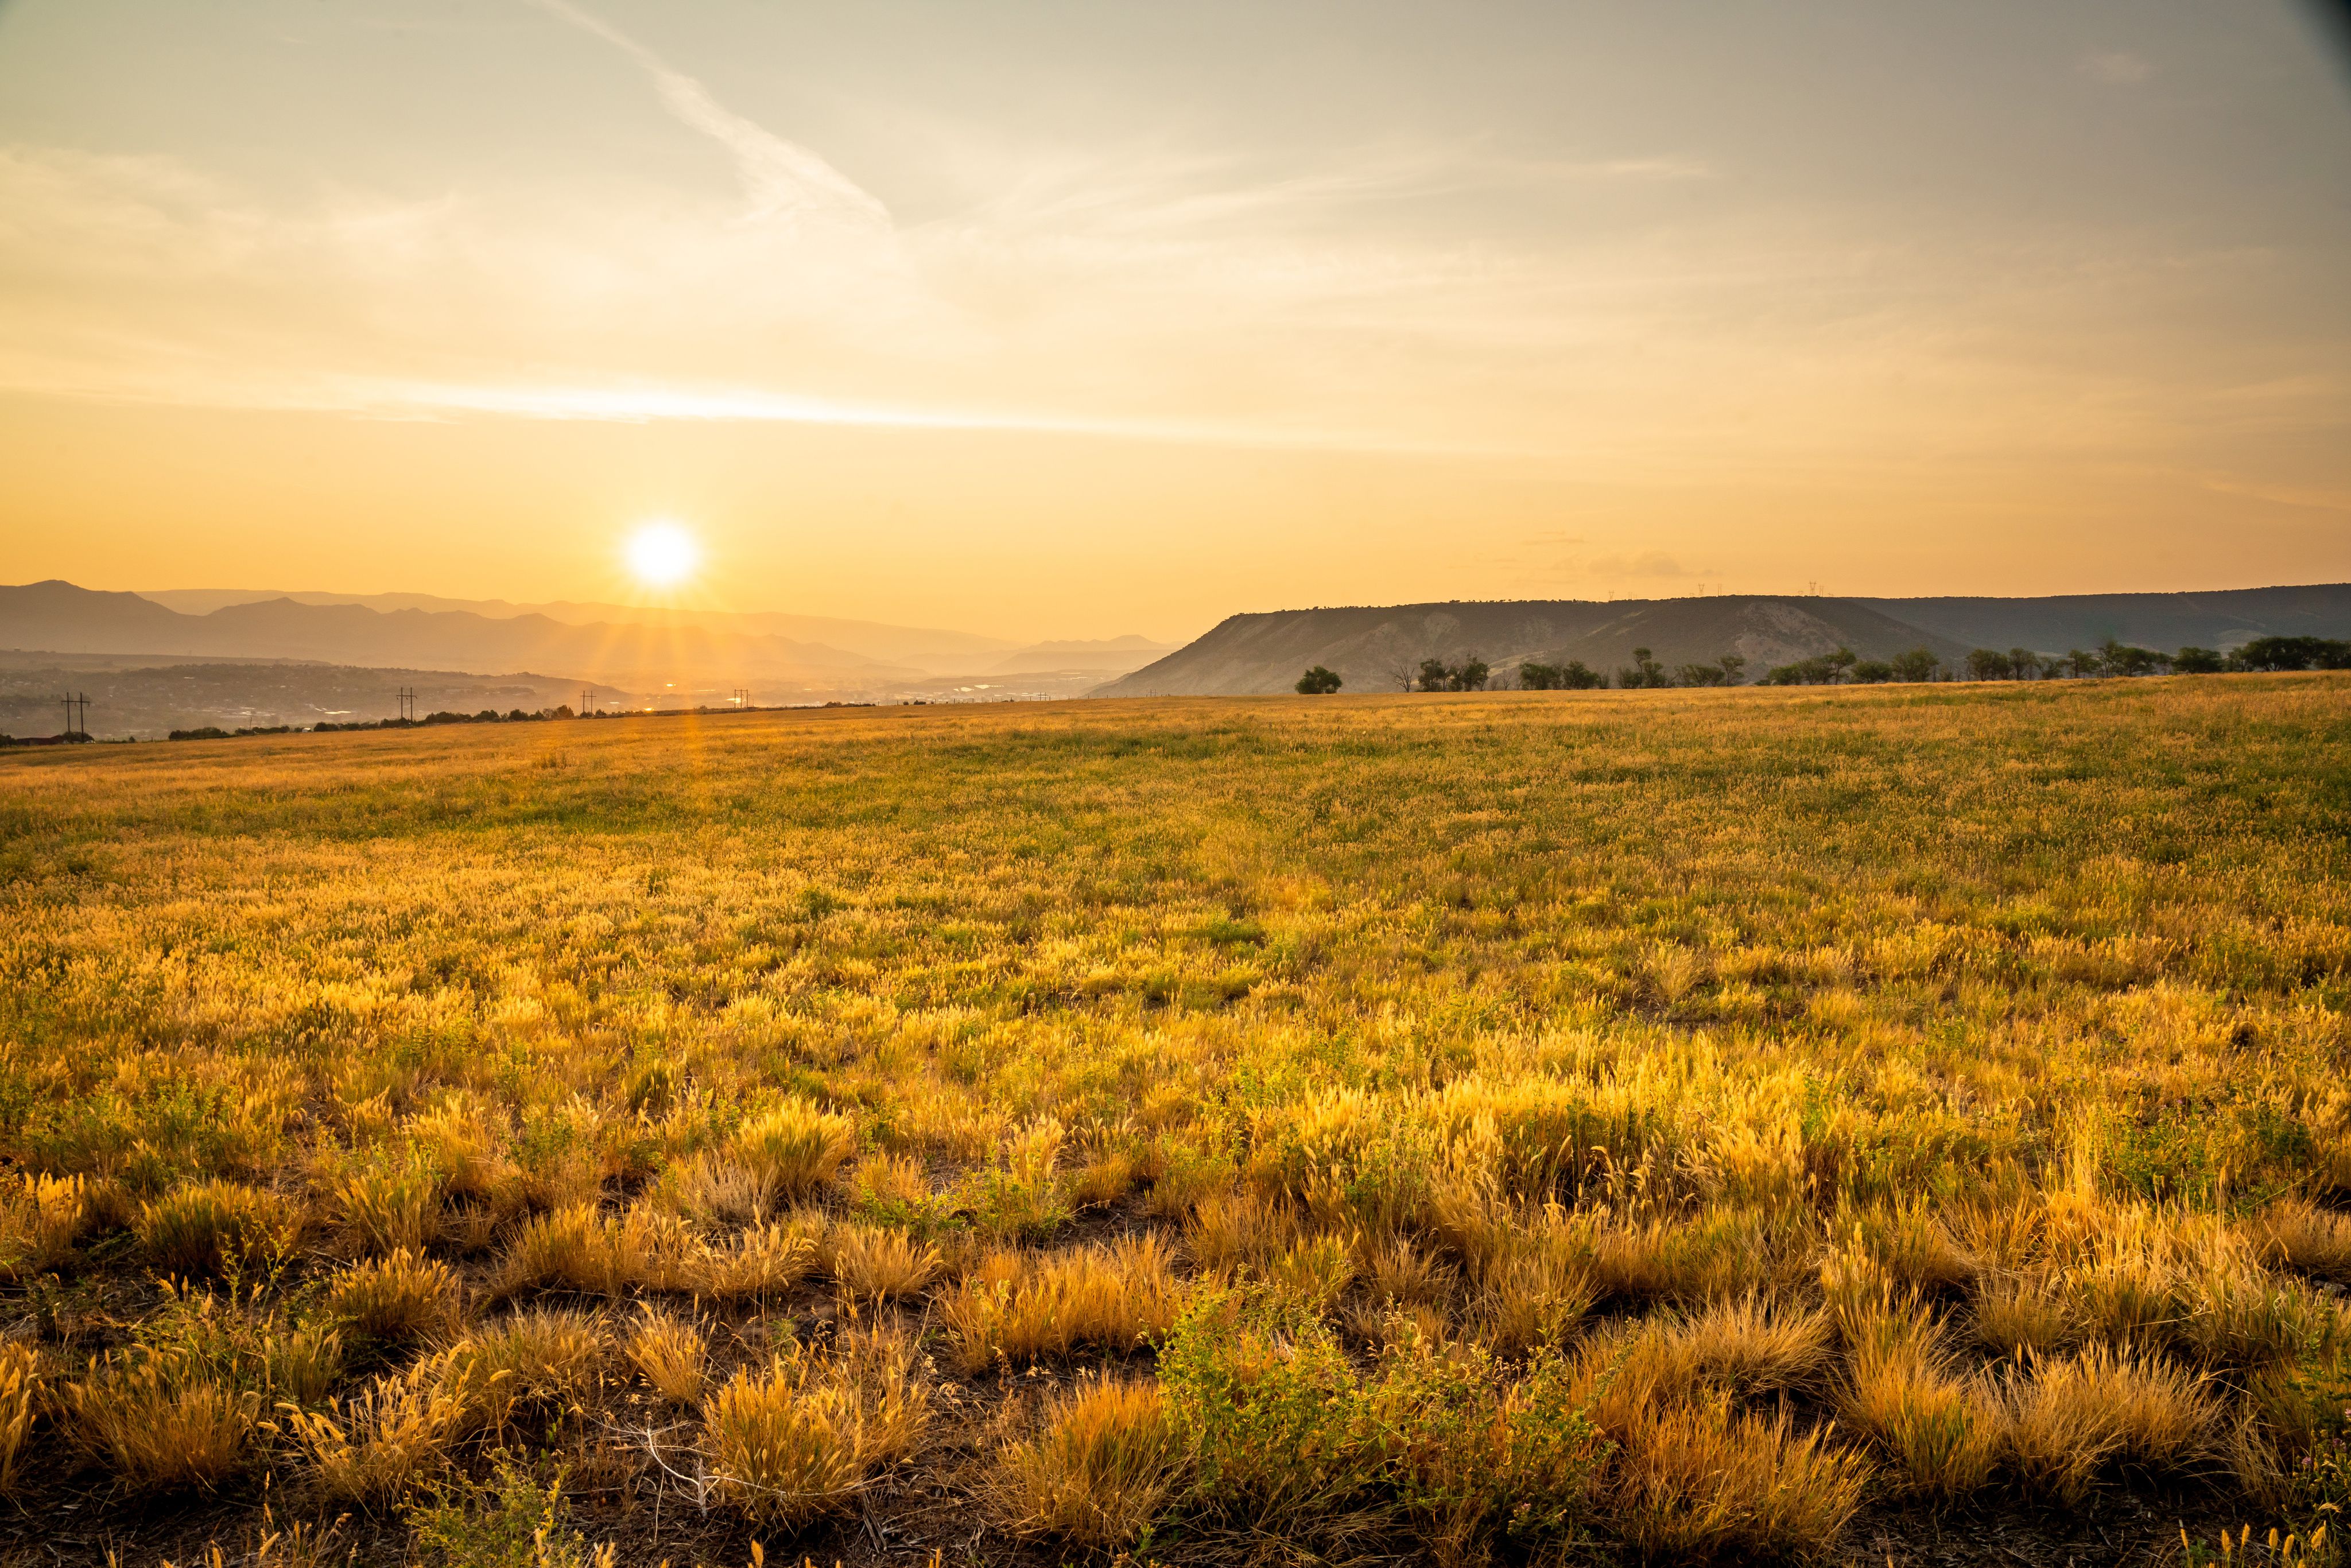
(160, 1420)
(1238, 1227)
(538, 1359)
(1101, 1469)
(793, 1149)
(1700, 1480)
(798, 1440)
(401, 1297)
(762, 1261)
(43, 1219)
(1019, 1307)
(2070, 1417)
(1754, 1345)
(384, 1444)
(21, 1388)
(2299, 1235)
(210, 1227)
(1902, 1392)
(669, 1354)
(389, 1209)
(2017, 1315)
(877, 1263)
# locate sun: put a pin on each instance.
(663, 554)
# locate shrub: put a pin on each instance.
(516, 1521)
(1319, 682)
(1285, 1435)
(1099, 1472)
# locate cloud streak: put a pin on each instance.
(782, 179)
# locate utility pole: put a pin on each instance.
(587, 702)
(742, 697)
(81, 725)
(407, 696)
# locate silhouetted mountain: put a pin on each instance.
(2163, 621)
(924, 648)
(1378, 649)
(61, 617)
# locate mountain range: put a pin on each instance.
(1374, 649)
(666, 653)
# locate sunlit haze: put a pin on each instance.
(663, 554)
(1082, 319)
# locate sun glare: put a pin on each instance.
(663, 554)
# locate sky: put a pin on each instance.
(1099, 316)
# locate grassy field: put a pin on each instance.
(1656, 1126)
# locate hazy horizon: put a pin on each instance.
(1061, 321)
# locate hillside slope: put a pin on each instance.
(1376, 649)
(2168, 621)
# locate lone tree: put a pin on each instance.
(1319, 682)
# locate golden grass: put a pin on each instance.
(208, 1228)
(388, 1440)
(402, 1297)
(799, 1438)
(20, 1399)
(879, 1263)
(1101, 1468)
(1702, 1480)
(670, 1354)
(1958, 1064)
(160, 1420)
(1019, 1307)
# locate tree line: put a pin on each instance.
(1844, 667)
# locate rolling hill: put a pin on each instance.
(1374, 648)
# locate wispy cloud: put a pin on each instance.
(782, 178)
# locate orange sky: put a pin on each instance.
(1080, 319)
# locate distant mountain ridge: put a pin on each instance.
(924, 646)
(58, 617)
(1376, 648)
